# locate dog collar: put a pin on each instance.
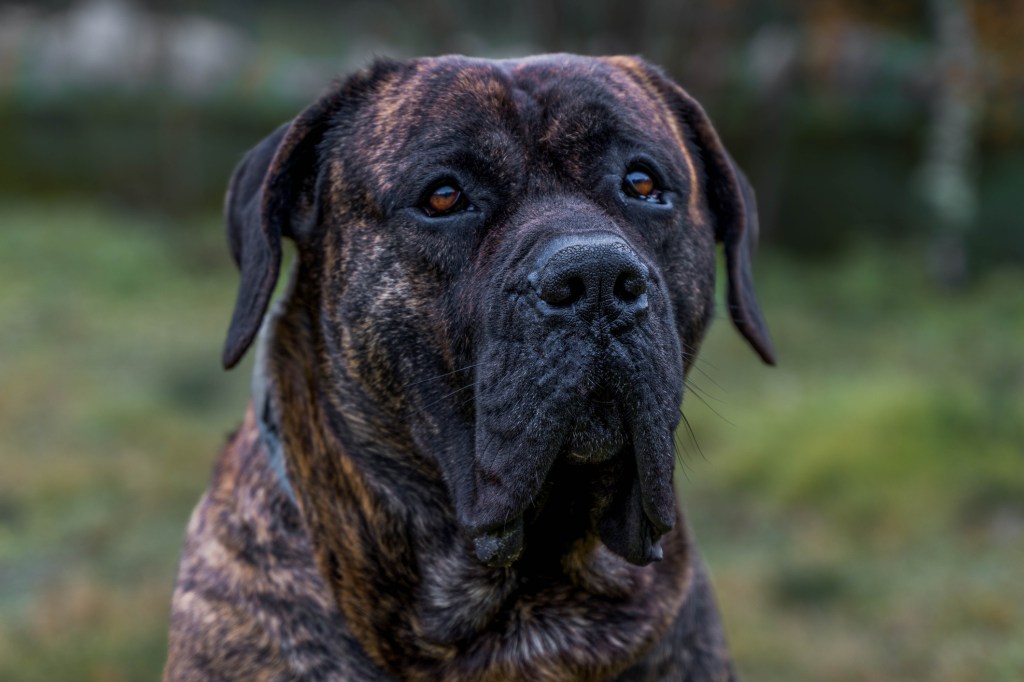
(266, 416)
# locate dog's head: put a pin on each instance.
(510, 266)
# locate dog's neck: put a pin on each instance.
(388, 546)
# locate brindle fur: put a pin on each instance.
(391, 360)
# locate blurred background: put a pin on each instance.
(861, 506)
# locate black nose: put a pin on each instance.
(591, 275)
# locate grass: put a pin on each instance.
(113, 407)
(861, 506)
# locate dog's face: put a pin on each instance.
(515, 262)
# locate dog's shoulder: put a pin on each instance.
(249, 602)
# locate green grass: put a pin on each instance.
(861, 506)
(112, 409)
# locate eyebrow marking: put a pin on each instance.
(632, 67)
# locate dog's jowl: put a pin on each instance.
(458, 459)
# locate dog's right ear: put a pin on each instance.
(272, 193)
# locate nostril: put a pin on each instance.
(629, 287)
(590, 277)
(564, 292)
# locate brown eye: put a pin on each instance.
(641, 185)
(444, 199)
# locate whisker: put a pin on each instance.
(447, 395)
(693, 436)
(697, 394)
(691, 352)
(691, 384)
(465, 401)
(676, 447)
(440, 376)
(708, 377)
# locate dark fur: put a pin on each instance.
(438, 479)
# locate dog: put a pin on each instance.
(458, 460)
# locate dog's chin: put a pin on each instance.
(597, 433)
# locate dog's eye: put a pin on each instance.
(445, 199)
(640, 185)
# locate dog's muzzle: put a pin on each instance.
(579, 367)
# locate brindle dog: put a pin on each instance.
(458, 461)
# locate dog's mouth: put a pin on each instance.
(596, 440)
(583, 495)
(578, 386)
(598, 464)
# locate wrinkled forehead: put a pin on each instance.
(490, 108)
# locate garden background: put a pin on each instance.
(861, 506)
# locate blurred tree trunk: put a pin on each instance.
(947, 185)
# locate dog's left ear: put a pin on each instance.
(730, 199)
(272, 193)
(738, 232)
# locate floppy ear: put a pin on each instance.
(731, 201)
(272, 193)
(737, 229)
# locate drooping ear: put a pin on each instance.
(739, 237)
(730, 199)
(272, 193)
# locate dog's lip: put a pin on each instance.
(500, 547)
(611, 443)
(592, 456)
